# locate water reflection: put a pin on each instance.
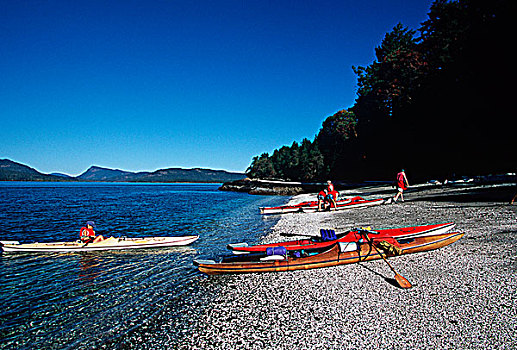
(90, 267)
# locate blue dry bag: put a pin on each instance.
(276, 251)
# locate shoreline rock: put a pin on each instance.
(265, 187)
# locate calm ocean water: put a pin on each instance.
(96, 299)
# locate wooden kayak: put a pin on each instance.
(298, 207)
(111, 243)
(348, 236)
(338, 254)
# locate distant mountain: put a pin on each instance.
(190, 175)
(96, 173)
(62, 175)
(12, 171)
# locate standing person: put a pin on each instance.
(322, 196)
(330, 186)
(87, 234)
(402, 185)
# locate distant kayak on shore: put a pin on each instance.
(312, 206)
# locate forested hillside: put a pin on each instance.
(436, 101)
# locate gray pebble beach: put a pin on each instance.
(463, 297)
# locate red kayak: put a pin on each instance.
(293, 208)
(330, 237)
(356, 202)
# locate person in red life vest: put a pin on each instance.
(402, 185)
(332, 194)
(322, 196)
(87, 234)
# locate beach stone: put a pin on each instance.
(464, 296)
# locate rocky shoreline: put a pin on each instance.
(292, 188)
(268, 187)
(285, 188)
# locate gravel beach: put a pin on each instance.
(463, 297)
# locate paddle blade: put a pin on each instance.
(403, 283)
(287, 234)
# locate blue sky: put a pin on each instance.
(144, 85)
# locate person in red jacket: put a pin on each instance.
(332, 195)
(402, 185)
(87, 234)
(322, 196)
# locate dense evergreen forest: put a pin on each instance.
(436, 101)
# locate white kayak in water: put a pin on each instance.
(112, 243)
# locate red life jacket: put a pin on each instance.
(86, 233)
(400, 181)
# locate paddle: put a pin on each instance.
(88, 242)
(287, 234)
(402, 282)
